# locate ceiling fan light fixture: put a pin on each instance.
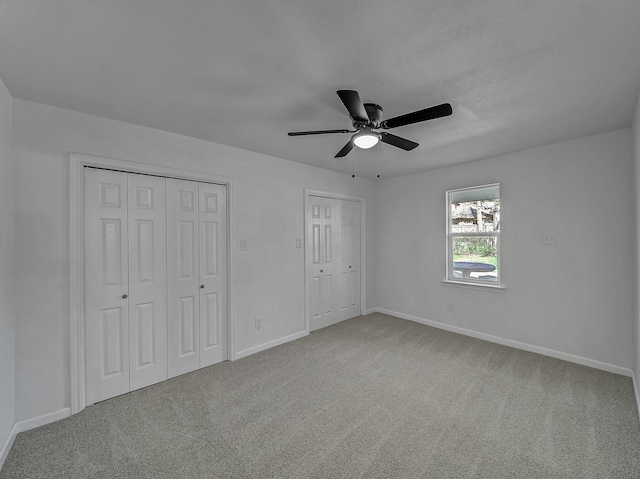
(366, 140)
(366, 116)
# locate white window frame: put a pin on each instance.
(450, 278)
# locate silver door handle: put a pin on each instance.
(124, 296)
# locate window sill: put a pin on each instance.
(494, 288)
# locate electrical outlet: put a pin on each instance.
(298, 243)
(450, 307)
(550, 238)
(258, 323)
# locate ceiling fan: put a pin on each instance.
(365, 118)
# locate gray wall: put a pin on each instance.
(575, 297)
(7, 321)
(267, 210)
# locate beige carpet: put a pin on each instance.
(372, 397)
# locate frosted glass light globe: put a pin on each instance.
(366, 140)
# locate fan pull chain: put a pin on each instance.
(353, 165)
(378, 155)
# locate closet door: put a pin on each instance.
(155, 279)
(213, 273)
(183, 276)
(125, 282)
(348, 290)
(321, 240)
(106, 284)
(197, 274)
(352, 264)
(147, 280)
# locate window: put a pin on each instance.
(473, 235)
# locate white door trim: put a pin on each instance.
(363, 290)
(77, 162)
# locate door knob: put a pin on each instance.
(321, 271)
(124, 296)
(201, 286)
(349, 266)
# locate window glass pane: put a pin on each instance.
(475, 257)
(475, 217)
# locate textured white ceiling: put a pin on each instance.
(518, 73)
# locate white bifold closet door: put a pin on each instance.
(196, 269)
(322, 269)
(155, 279)
(333, 260)
(349, 262)
(125, 282)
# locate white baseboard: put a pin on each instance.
(4, 452)
(28, 424)
(269, 345)
(635, 390)
(612, 368)
(48, 418)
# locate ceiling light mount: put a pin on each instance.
(366, 138)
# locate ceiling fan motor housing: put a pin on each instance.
(374, 112)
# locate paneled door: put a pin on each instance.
(321, 241)
(333, 233)
(125, 282)
(196, 269)
(213, 273)
(155, 279)
(106, 265)
(147, 280)
(349, 264)
(183, 275)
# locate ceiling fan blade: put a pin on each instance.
(418, 116)
(345, 149)
(317, 132)
(397, 141)
(352, 102)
